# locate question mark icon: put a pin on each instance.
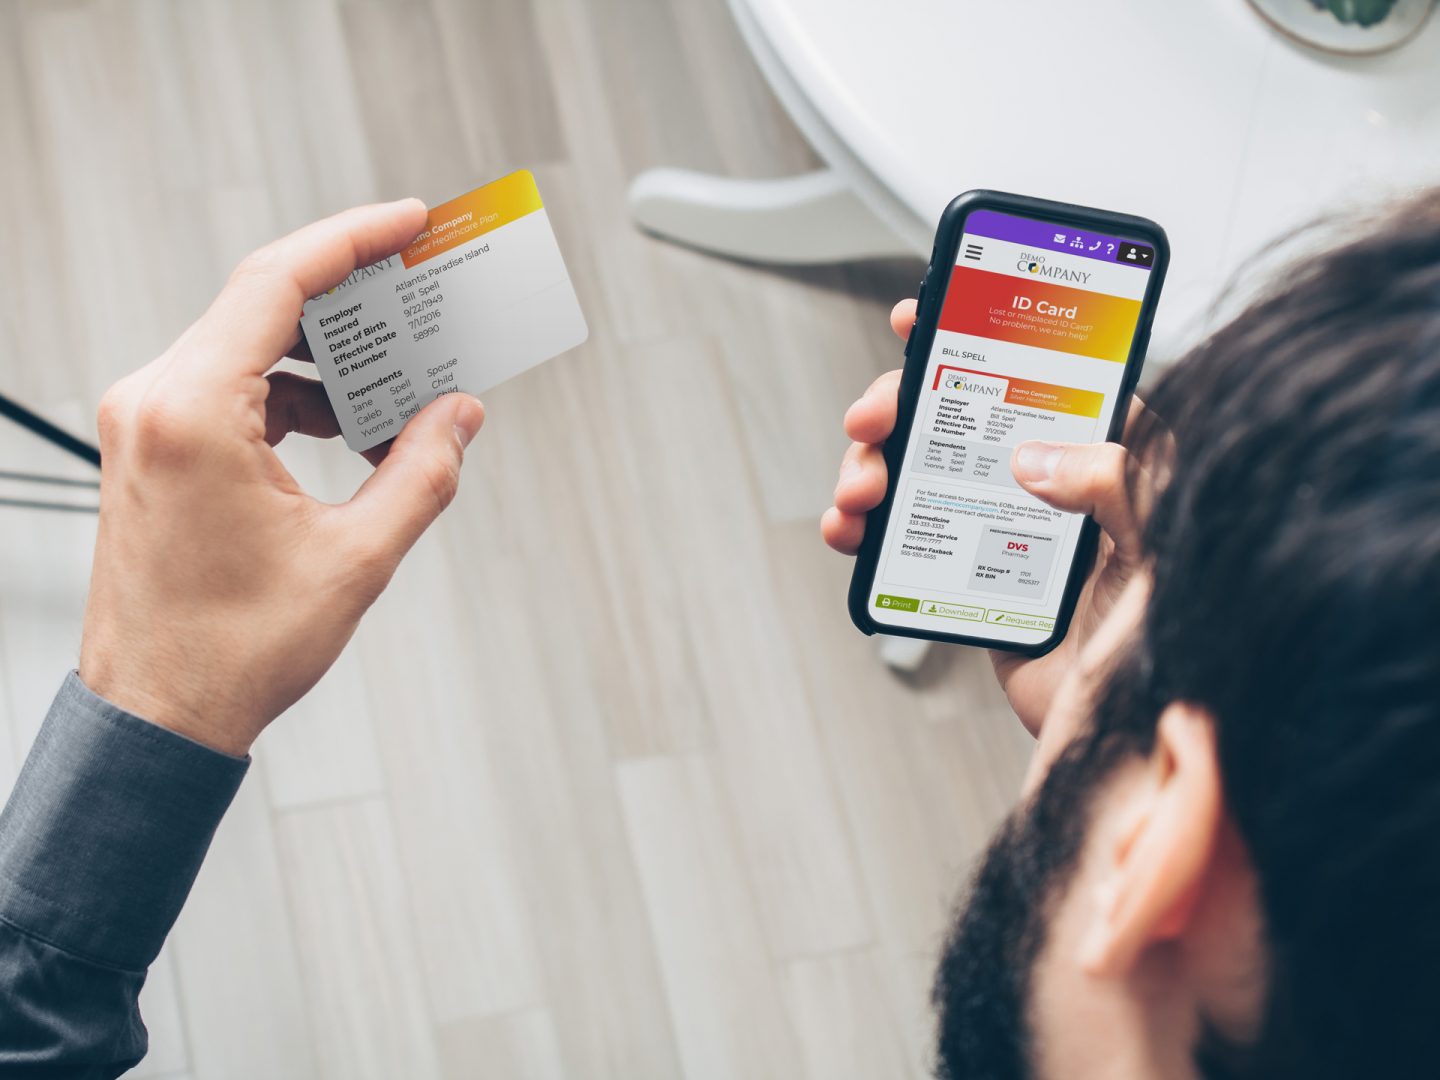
(1109, 249)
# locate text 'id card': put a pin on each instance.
(482, 294)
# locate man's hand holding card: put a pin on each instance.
(480, 295)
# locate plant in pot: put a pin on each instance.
(1354, 27)
(1358, 12)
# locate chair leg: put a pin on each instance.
(902, 653)
(795, 220)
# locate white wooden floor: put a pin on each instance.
(606, 786)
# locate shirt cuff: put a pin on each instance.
(106, 829)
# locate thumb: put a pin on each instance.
(418, 477)
(1083, 478)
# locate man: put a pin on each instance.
(1225, 849)
(1227, 856)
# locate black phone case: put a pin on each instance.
(917, 354)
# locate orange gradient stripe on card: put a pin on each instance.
(470, 216)
(1037, 395)
(1028, 311)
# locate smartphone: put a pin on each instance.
(1032, 324)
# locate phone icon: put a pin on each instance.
(1095, 245)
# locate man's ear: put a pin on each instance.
(1155, 861)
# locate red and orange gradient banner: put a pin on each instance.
(983, 303)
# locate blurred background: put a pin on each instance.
(607, 785)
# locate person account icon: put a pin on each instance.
(1138, 254)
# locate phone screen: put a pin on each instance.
(1032, 342)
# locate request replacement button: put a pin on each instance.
(1024, 622)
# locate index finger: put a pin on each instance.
(255, 319)
(871, 419)
(902, 317)
(1133, 414)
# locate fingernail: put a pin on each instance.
(1035, 460)
(468, 418)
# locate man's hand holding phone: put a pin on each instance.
(1087, 479)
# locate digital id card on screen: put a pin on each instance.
(1033, 336)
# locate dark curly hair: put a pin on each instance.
(1293, 464)
(1289, 474)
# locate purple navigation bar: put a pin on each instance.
(1048, 236)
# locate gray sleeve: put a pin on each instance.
(99, 844)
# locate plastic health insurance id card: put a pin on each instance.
(480, 295)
